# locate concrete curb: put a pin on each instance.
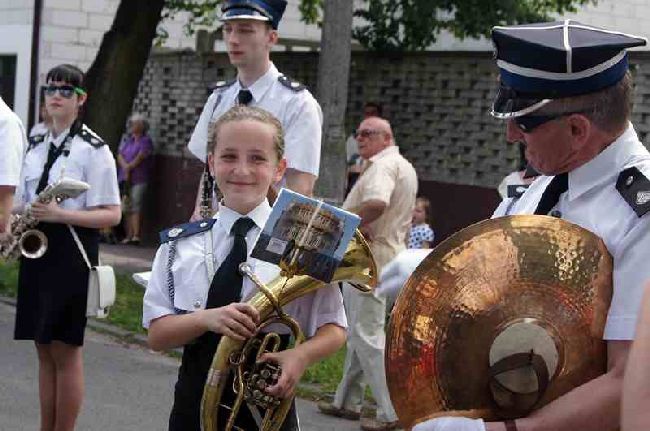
(310, 391)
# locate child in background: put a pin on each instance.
(421, 235)
(186, 305)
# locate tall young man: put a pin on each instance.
(250, 30)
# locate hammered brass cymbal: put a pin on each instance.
(481, 280)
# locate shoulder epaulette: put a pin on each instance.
(35, 140)
(91, 137)
(185, 230)
(222, 84)
(291, 84)
(517, 191)
(635, 189)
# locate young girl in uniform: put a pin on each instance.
(52, 289)
(185, 305)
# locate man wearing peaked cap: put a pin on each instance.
(565, 92)
(263, 10)
(250, 32)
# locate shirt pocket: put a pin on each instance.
(69, 167)
(190, 282)
(265, 271)
(32, 171)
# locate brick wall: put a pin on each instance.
(437, 102)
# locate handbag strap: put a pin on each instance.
(80, 246)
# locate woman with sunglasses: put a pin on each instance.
(52, 289)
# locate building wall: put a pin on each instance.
(72, 31)
(437, 102)
(16, 39)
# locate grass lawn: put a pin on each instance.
(320, 379)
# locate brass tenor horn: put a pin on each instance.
(357, 268)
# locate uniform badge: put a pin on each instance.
(642, 198)
(173, 233)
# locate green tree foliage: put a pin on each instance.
(409, 25)
(202, 13)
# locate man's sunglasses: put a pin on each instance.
(528, 123)
(66, 91)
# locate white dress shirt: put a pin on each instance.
(298, 111)
(13, 144)
(594, 203)
(192, 282)
(91, 164)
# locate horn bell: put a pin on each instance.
(479, 287)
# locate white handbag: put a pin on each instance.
(101, 284)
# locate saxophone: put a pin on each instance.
(357, 267)
(23, 237)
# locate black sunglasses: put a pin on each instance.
(66, 91)
(527, 123)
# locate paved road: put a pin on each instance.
(127, 387)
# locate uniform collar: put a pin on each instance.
(227, 217)
(606, 165)
(393, 149)
(259, 88)
(59, 139)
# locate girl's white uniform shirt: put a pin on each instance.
(86, 162)
(192, 284)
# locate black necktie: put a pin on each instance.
(244, 97)
(227, 282)
(558, 185)
(53, 154)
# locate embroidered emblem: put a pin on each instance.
(634, 187)
(642, 198)
(173, 233)
(203, 224)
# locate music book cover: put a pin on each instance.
(305, 236)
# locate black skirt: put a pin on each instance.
(52, 290)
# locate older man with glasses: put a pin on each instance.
(566, 93)
(384, 197)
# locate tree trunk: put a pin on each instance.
(112, 80)
(333, 77)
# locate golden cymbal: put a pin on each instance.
(486, 281)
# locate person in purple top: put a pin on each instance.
(134, 160)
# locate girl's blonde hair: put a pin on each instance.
(426, 204)
(244, 113)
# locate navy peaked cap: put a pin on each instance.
(545, 61)
(261, 10)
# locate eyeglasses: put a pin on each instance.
(66, 91)
(366, 133)
(527, 123)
